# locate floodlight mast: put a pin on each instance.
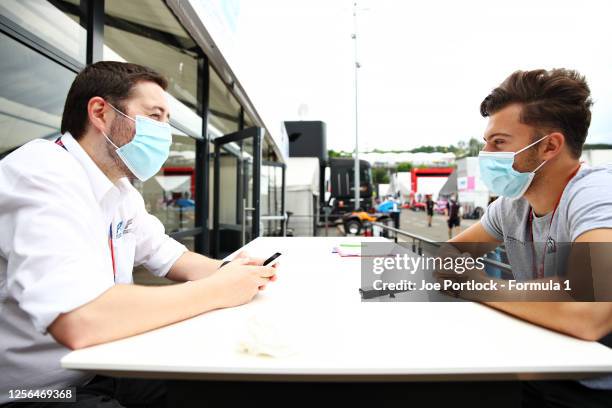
(357, 186)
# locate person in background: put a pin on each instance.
(452, 213)
(429, 207)
(73, 228)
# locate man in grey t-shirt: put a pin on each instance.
(538, 123)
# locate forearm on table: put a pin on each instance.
(474, 240)
(126, 310)
(584, 320)
(192, 266)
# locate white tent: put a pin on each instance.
(404, 183)
(302, 194)
(385, 190)
(174, 184)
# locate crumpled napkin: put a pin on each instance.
(268, 335)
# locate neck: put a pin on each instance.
(97, 148)
(548, 185)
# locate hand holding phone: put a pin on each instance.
(271, 261)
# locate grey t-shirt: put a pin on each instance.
(586, 204)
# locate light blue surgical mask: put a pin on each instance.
(149, 148)
(500, 177)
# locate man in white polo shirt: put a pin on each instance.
(73, 228)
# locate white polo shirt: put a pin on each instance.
(57, 210)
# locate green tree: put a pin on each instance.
(474, 147)
(405, 166)
(332, 153)
(380, 175)
(594, 146)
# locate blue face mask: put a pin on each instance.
(500, 177)
(149, 148)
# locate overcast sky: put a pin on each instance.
(426, 66)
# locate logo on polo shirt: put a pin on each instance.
(124, 228)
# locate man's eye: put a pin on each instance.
(155, 116)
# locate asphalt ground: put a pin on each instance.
(415, 222)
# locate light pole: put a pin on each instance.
(357, 66)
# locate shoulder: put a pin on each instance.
(590, 185)
(41, 160)
(587, 202)
(589, 177)
(505, 206)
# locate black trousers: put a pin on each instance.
(473, 394)
(563, 394)
(107, 392)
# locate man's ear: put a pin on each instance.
(553, 145)
(98, 113)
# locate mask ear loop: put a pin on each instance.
(541, 164)
(110, 141)
(118, 111)
(530, 145)
(526, 147)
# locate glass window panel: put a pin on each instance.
(32, 94)
(246, 185)
(224, 109)
(278, 187)
(54, 26)
(145, 32)
(268, 153)
(228, 173)
(170, 194)
(265, 190)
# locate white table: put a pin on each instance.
(342, 338)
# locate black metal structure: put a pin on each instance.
(202, 168)
(95, 30)
(256, 134)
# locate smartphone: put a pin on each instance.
(272, 260)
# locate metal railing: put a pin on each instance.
(417, 246)
(273, 217)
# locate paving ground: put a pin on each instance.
(416, 223)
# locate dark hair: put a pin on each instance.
(110, 80)
(555, 100)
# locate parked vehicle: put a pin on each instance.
(356, 222)
(341, 186)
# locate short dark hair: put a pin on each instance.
(555, 100)
(110, 80)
